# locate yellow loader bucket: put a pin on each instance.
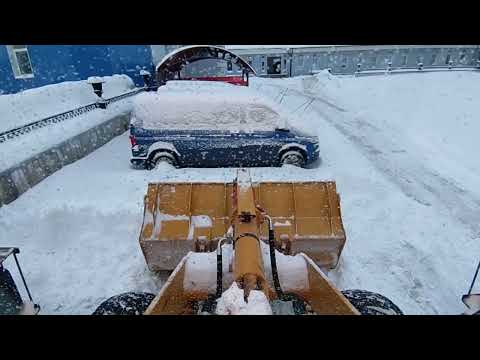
(183, 217)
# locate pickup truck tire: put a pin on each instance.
(160, 156)
(293, 157)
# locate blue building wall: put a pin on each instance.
(57, 63)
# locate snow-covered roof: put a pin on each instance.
(203, 105)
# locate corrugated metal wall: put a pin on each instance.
(350, 59)
(346, 59)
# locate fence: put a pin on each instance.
(25, 129)
(346, 59)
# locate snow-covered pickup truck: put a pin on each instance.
(200, 124)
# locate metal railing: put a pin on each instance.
(349, 59)
(25, 129)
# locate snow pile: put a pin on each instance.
(201, 272)
(197, 105)
(292, 271)
(232, 302)
(35, 104)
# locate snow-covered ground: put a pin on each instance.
(411, 217)
(35, 104)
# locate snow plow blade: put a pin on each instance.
(183, 217)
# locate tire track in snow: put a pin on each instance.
(413, 178)
(405, 170)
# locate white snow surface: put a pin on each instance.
(402, 152)
(31, 105)
(232, 302)
(201, 270)
(205, 105)
(34, 104)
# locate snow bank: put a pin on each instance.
(15, 150)
(35, 104)
(186, 105)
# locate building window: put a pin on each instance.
(20, 61)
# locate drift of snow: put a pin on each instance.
(204, 105)
(35, 104)
(232, 302)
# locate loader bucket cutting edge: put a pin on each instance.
(183, 217)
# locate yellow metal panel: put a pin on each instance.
(276, 199)
(174, 199)
(208, 199)
(174, 230)
(311, 200)
(323, 296)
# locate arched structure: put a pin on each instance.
(170, 67)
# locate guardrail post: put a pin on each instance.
(97, 84)
(147, 78)
(389, 67)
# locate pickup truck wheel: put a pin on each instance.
(370, 303)
(131, 303)
(293, 157)
(162, 156)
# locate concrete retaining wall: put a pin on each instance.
(18, 179)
